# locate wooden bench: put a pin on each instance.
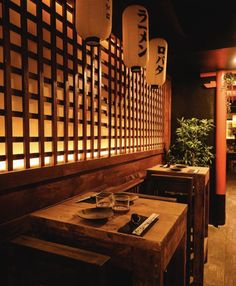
(151, 197)
(37, 262)
(131, 186)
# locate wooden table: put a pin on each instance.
(200, 177)
(147, 257)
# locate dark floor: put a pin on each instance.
(220, 270)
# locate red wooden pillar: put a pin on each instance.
(221, 113)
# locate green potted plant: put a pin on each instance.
(229, 80)
(191, 146)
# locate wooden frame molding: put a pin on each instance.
(26, 177)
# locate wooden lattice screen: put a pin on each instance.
(63, 101)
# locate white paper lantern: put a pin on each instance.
(93, 20)
(156, 65)
(135, 34)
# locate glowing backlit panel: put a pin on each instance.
(62, 101)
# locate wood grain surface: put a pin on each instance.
(147, 256)
(201, 177)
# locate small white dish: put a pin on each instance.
(132, 197)
(180, 166)
(95, 213)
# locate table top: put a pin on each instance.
(187, 170)
(191, 171)
(171, 223)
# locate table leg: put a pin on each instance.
(176, 270)
(199, 233)
(207, 197)
(146, 268)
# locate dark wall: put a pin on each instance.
(191, 99)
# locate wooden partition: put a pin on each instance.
(62, 101)
(67, 109)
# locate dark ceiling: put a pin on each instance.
(201, 35)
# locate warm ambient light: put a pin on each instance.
(156, 65)
(42, 132)
(234, 121)
(3, 166)
(211, 84)
(93, 20)
(135, 37)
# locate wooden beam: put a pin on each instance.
(54, 82)
(85, 107)
(75, 88)
(40, 83)
(37, 175)
(25, 85)
(65, 80)
(109, 98)
(7, 86)
(92, 84)
(99, 102)
(208, 74)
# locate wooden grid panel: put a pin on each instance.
(63, 101)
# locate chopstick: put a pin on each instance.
(85, 198)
